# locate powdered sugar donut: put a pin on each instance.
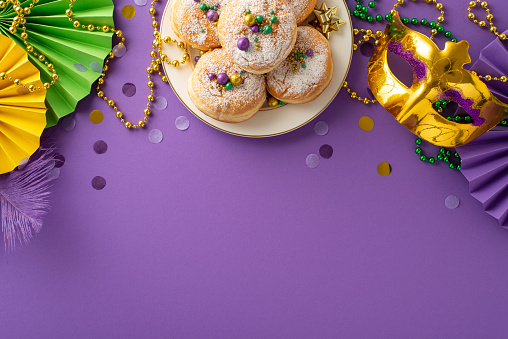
(257, 34)
(302, 9)
(306, 72)
(195, 22)
(222, 90)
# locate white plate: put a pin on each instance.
(269, 121)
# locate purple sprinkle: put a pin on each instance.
(310, 52)
(217, 5)
(197, 0)
(196, 59)
(98, 183)
(100, 147)
(212, 15)
(243, 44)
(222, 78)
(242, 81)
(417, 66)
(466, 104)
(254, 29)
(312, 160)
(211, 76)
(326, 151)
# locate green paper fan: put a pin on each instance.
(77, 54)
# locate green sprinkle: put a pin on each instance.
(259, 18)
(304, 66)
(202, 30)
(229, 85)
(203, 7)
(271, 12)
(255, 39)
(268, 29)
(247, 11)
(273, 19)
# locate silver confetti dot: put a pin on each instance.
(160, 103)
(182, 123)
(321, 128)
(68, 123)
(22, 163)
(96, 67)
(54, 174)
(140, 2)
(452, 202)
(312, 160)
(155, 136)
(119, 50)
(80, 67)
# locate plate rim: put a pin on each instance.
(164, 65)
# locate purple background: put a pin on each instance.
(208, 235)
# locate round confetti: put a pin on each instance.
(160, 103)
(80, 67)
(119, 50)
(22, 90)
(367, 48)
(96, 67)
(128, 11)
(155, 136)
(384, 169)
(96, 116)
(59, 160)
(129, 89)
(100, 147)
(54, 174)
(182, 123)
(321, 128)
(366, 123)
(326, 151)
(312, 160)
(22, 163)
(140, 2)
(452, 202)
(98, 183)
(68, 123)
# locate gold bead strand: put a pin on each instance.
(489, 17)
(439, 6)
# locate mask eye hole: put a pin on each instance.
(401, 69)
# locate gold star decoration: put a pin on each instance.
(326, 20)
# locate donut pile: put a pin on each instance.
(256, 46)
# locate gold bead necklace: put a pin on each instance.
(489, 18)
(155, 66)
(19, 21)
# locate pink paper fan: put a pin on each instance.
(485, 159)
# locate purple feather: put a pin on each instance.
(24, 198)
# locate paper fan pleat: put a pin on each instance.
(485, 166)
(52, 34)
(22, 113)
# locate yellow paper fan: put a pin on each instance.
(22, 113)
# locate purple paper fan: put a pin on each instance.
(485, 159)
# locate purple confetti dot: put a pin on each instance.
(312, 160)
(326, 151)
(452, 202)
(367, 48)
(53, 174)
(22, 163)
(129, 89)
(243, 44)
(98, 183)
(182, 123)
(68, 123)
(321, 128)
(100, 147)
(254, 29)
(196, 59)
(59, 160)
(310, 52)
(155, 136)
(211, 76)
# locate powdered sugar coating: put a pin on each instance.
(273, 47)
(302, 9)
(307, 83)
(235, 105)
(187, 20)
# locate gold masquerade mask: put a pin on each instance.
(437, 75)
